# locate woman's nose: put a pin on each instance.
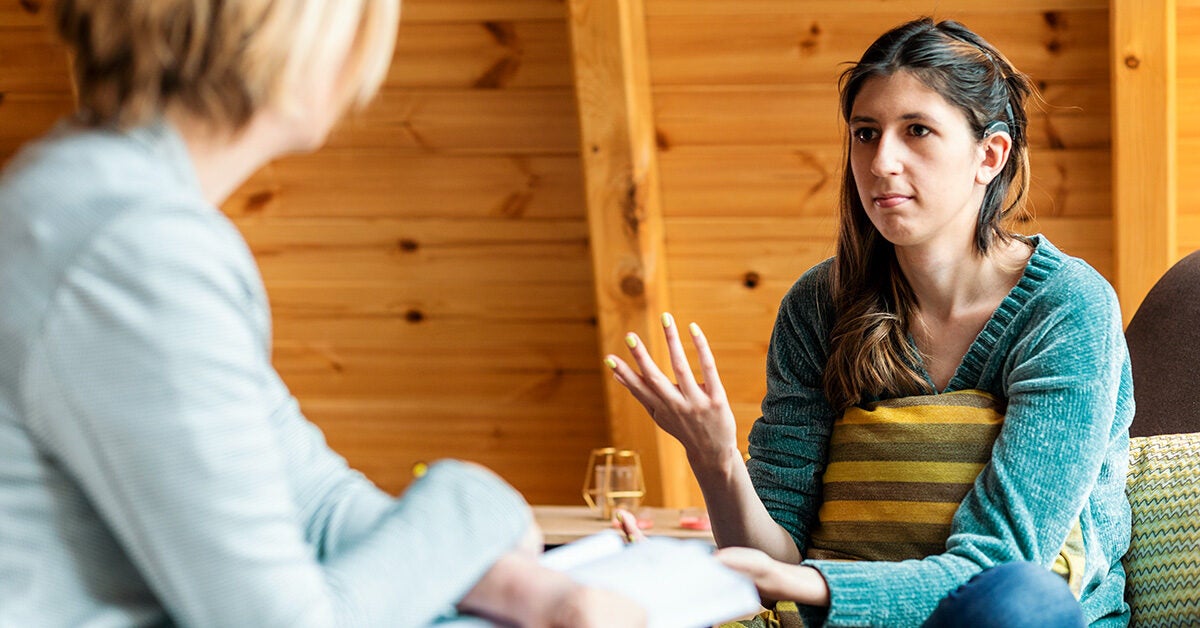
(888, 157)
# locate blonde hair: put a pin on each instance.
(221, 60)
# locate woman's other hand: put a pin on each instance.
(777, 580)
(698, 415)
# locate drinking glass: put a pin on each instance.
(613, 480)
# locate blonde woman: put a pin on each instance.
(154, 470)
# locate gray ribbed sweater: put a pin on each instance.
(153, 467)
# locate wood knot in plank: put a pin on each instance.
(499, 75)
(631, 207)
(515, 204)
(258, 202)
(504, 69)
(632, 286)
(751, 280)
(810, 40)
(817, 167)
(1132, 62)
(414, 316)
(661, 140)
(1057, 24)
(408, 245)
(2, 95)
(504, 33)
(31, 6)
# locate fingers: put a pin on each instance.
(708, 364)
(634, 382)
(751, 562)
(628, 525)
(653, 389)
(679, 361)
(651, 374)
(777, 580)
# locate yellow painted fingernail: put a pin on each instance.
(694, 328)
(610, 363)
(631, 340)
(666, 320)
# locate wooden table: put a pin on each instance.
(563, 524)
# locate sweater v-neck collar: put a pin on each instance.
(1046, 258)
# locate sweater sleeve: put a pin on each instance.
(151, 383)
(788, 443)
(1063, 379)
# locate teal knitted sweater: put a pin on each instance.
(1055, 352)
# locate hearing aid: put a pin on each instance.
(996, 126)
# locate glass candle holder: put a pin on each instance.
(613, 480)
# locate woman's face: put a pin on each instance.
(919, 170)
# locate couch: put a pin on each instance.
(1163, 562)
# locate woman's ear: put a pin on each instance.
(996, 148)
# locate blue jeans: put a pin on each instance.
(1012, 595)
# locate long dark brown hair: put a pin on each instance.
(870, 351)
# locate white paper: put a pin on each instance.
(678, 582)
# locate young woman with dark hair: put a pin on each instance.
(945, 431)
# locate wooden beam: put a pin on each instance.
(619, 153)
(1144, 145)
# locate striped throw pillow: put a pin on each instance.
(1162, 566)
(898, 470)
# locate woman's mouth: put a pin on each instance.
(890, 200)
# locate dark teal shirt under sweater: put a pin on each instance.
(1054, 351)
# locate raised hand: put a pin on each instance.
(697, 415)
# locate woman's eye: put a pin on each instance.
(864, 134)
(919, 130)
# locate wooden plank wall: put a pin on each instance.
(750, 144)
(429, 269)
(34, 87)
(1187, 226)
(1144, 145)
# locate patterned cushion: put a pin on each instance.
(1163, 563)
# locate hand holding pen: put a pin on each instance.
(626, 523)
